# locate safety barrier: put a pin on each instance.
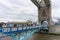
(18, 31)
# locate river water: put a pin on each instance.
(39, 36)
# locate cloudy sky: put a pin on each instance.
(22, 10)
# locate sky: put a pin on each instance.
(22, 10)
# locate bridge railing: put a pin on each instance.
(17, 29)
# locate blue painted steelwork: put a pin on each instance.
(18, 36)
(13, 37)
(10, 31)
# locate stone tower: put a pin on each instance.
(44, 10)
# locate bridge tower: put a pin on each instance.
(44, 10)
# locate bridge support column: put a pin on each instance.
(18, 37)
(39, 15)
(44, 14)
(13, 37)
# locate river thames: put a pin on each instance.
(39, 36)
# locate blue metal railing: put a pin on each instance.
(10, 31)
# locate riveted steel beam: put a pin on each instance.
(36, 3)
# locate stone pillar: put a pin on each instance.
(44, 14)
(49, 14)
(39, 15)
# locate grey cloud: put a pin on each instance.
(55, 8)
(23, 9)
(56, 4)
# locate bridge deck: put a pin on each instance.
(11, 30)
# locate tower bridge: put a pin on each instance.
(44, 14)
(44, 10)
